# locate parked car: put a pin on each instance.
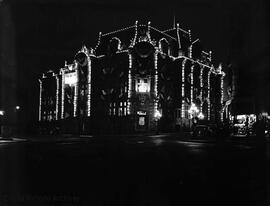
(204, 131)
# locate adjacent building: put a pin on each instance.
(136, 79)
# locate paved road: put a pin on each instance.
(137, 170)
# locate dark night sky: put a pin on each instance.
(38, 35)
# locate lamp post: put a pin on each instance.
(193, 111)
(17, 111)
(2, 112)
(9, 120)
(201, 116)
(157, 117)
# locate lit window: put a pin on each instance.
(141, 121)
(110, 111)
(114, 105)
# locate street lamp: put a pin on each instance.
(193, 110)
(157, 116)
(2, 112)
(17, 107)
(200, 115)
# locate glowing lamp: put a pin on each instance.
(2, 113)
(193, 109)
(17, 107)
(157, 114)
(201, 116)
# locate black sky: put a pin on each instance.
(53, 31)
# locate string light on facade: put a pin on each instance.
(62, 72)
(119, 30)
(148, 31)
(89, 86)
(57, 97)
(190, 48)
(40, 99)
(191, 82)
(160, 45)
(119, 42)
(222, 96)
(201, 87)
(189, 35)
(208, 95)
(183, 89)
(155, 29)
(99, 39)
(190, 51)
(156, 82)
(135, 36)
(193, 61)
(156, 74)
(178, 38)
(210, 56)
(129, 83)
(76, 91)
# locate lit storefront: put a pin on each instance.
(243, 124)
(135, 79)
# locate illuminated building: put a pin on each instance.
(133, 78)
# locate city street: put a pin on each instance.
(160, 169)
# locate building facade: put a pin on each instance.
(135, 79)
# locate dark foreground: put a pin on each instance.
(156, 170)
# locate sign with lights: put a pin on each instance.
(141, 113)
(71, 78)
(142, 85)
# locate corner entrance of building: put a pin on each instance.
(142, 121)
